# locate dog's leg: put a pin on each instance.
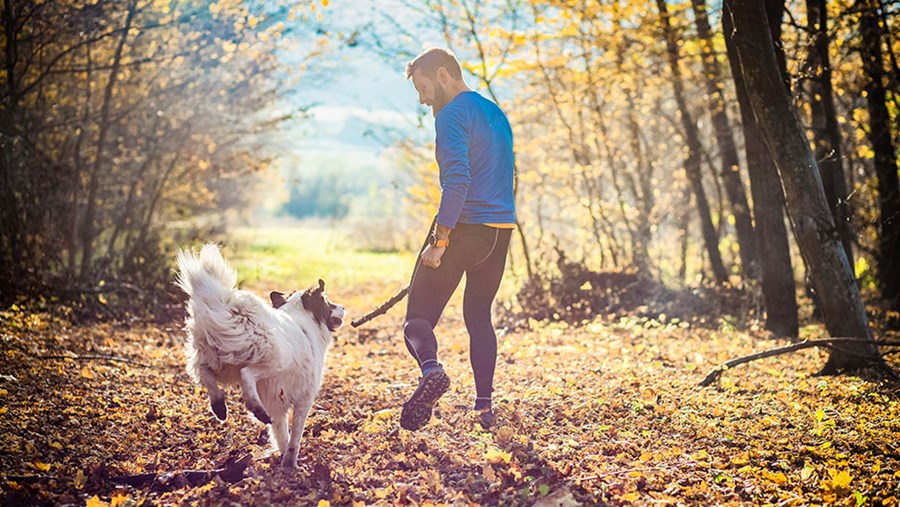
(298, 421)
(216, 395)
(251, 395)
(278, 432)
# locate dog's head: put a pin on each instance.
(317, 304)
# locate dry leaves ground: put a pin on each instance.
(607, 413)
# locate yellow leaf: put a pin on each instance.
(43, 467)
(776, 477)
(101, 299)
(119, 499)
(807, 471)
(87, 373)
(841, 480)
(647, 456)
(741, 459)
(80, 479)
(631, 497)
(95, 501)
(496, 456)
(383, 414)
(324, 503)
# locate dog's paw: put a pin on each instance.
(218, 408)
(289, 461)
(262, 415)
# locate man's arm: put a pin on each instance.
(442, 232)
(431, 255)
(452, 153)
(453, 159)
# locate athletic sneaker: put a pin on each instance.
(487, 419)
(417, 410)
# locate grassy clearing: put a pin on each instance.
(293, 258)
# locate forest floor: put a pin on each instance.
(604, 413)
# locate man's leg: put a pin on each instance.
(482, 282)
(429, 292)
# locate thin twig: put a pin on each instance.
(97, 357)
(381, 309)
(828, 342)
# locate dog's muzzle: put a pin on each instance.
(336, 319)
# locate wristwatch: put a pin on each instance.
(440, 243)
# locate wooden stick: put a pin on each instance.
(231, 472)
(827, 342)
(381, 310)
(97, 357)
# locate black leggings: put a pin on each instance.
(479, 251)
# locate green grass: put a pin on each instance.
(290, 259)
(293, 258)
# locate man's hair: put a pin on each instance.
(430, 60)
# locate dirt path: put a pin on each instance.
(599, 414)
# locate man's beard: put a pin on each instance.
(441, 99)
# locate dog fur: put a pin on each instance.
(276, 353)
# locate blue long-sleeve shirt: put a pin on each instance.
(474, 151)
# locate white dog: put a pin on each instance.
(275, 353)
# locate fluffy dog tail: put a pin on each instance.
(206, 278)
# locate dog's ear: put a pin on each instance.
(321, 285)
(278, 299)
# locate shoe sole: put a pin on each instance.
(487, 419)
(417, 410)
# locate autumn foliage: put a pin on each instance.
(605, 412)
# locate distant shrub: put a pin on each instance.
(571, 292)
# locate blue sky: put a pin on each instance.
(362, 99)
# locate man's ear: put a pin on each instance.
(442, 75)
(278, 299)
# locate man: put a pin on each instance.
(474, 151)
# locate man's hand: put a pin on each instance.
(431, 256)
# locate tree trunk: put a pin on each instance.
(824, 122)
(731, 177)
(839, 298)
(692, 137)
(10, 150)
(87, 228)
(778, 286)
(641, 180)
(885, 156)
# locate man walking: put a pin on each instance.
(474, 151)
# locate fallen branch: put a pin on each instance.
(381, 310)
(828, 342)
(30, 479)
(233, 471)
(77, 357)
